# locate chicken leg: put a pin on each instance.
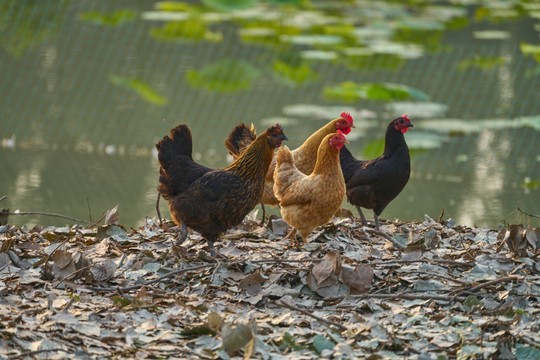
(183, 235)
(364, 221)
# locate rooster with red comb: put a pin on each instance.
(373, 184)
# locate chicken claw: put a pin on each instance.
(292, 238)
(183, 235)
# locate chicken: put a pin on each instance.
(374, 183)
(308, 201)
(212, 201)
(305, 156)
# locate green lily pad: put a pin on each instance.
(224, 76)
(229, 5)
(349, 92)
(293, 74)
(141, 88)
(530, 49)
(192, 29)
(481, 62)
(115, 18)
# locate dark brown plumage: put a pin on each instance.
(212, 201)
(373, 184)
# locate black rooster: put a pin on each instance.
(372, 184)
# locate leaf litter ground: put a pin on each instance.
(424, 290)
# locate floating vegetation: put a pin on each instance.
(483, 63)
(141, 88)
(193, 29)
(224, 76)
(229, 5)
(115, 18)
(293, 75)
(349, 91)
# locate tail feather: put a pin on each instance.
(178, 143)
(239, 139)
(177, 168)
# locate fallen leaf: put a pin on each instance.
(103, 270)
(235, 337)
(358, 279)
(329, 266)
(252, 284)
(214, 321)
(531, 237)
(111, 217)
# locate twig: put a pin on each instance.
(488, 283)
(73, 273)
(35, 352)
(440, 216)
(387, 237)
(89, 209)
(529, 342)
(4, 197)
(215, 271)
(305, 312)
(521, 211)
(97, 221)
(436, 261)
(169, 274)
(410, 296)
(46, 214)
(71, 301)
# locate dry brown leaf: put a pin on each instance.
(358, 279)
(111, 217)
(515, 239)
(252, 284)
(214, 321)
(103, 270)
(329, 266)
(235, 337)
(531, 237)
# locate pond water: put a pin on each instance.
(89, 87)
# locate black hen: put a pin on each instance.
(212, 201)
(372, 184)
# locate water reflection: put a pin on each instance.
(91, 87)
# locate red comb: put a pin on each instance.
(347, 116)
(340, 133)
(404, 116)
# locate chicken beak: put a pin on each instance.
(410, 125)
(284, 137)
(345, 141)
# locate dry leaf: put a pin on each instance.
(357, 279)
(214, 321)
(531, 237)
(235, 338)
(103, 270)
(329, 266)
(252, 284)
(111, 217)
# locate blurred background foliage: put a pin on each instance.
(90, 86)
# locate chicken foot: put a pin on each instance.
(364, 221)
(292, 238)
(183, 235)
